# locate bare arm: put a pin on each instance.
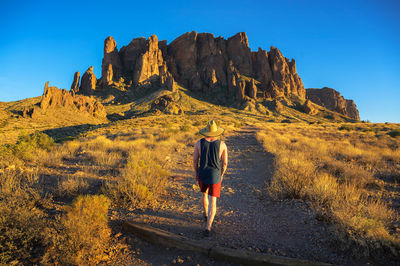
(196, 156)
(224, 159)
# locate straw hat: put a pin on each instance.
(211, 130)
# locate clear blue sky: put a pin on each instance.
(351, 46)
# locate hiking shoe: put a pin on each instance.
(207, 233)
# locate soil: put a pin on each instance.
(247, 217)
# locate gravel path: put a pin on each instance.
(247, 218)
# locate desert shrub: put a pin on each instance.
(197, 123)
(141, 180)
(185, 128)
(21, 221)
(238, 124)
(82, 235)
(394, 133)
(21, 227)
(107, 157)
(72, 186)
(26, 145)
(329, 116)
(346, 127)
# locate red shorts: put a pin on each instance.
(213, 189)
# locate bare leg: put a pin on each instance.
(211, 211)
(204, 202)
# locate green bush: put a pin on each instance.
(27, 144)
(394, 133)
(346, 127)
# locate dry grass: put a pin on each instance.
(128, 162)
(340, 174)
(72, 186)
(82, 236)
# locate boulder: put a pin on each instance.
(334, 101)
(88, 82)
(167, 105)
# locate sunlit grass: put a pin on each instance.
(336, 172)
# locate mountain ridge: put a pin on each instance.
(201, 63)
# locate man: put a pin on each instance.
(213, 155)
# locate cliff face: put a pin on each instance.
(204, 63)
(201, 62)
(332, 100)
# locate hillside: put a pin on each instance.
(305, 180)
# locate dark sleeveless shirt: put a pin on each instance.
(210, 162)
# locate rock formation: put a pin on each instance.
(277, 105)
(75, 83)
(309, 108)
(167, 105)
(200, 62)
(332, 100)
(166, 79)
(53, 98)
(284, 75)
(143, 63)
(205, 63)
(88, 82)
(149, 62)
(239, 52)
(251, 89)
(111, 64)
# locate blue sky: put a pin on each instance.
(351, 46)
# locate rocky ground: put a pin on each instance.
(247, 218)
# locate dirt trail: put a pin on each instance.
(247, 218)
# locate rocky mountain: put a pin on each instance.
(199, 62)
(204, 63)
(333, 100)
(53, 98)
